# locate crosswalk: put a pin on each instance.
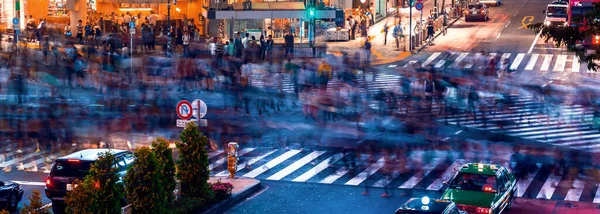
(568, 126)
(517, 61)
(387, 171)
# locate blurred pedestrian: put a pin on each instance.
(385, 30)
(289, 45)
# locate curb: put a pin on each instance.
(234, 199)
(437, 34)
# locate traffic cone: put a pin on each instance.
(34, 168)
(20, 147)
(21, 167)
(37, 145)
(385, 195)
(7, 168)
(46, 168)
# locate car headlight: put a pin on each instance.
(547, 23)
(597, 37)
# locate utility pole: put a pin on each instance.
(169, 48)
(410, 43)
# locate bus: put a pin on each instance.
(577, 11)
(557, 13)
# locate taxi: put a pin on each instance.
(481, 188)
(426, 205)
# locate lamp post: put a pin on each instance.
(169, 39)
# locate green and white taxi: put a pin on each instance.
(481, 188)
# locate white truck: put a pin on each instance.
(557, 13)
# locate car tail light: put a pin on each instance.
(482, 11)
(488, 188)
(483, 210)
(73, 160)
(48, 181)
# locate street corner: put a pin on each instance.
(523, 205)
(241, 185)
(390, 60)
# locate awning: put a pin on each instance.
(135, 1)
(267, 14)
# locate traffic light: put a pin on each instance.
(311, 11)
(412, 3)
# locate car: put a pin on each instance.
(476, 11)
(426, 205)
(75, 166)
(481, 188)
(10, 195)
(494, 2)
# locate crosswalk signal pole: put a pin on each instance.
(410, 43)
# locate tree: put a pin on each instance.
(570, 35)
(101, 191)
(143, 184)
(164, 157)
(192, 166)
(36, 206)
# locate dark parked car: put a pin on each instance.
(10, 195)
(75, 166)
(476, 11)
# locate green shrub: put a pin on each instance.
(192, 166)
(143, 184)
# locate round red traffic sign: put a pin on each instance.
(184, 110)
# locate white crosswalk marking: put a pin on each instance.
(295, 166)
(448, 174)
(561, 62)
(440, 63)
(597, 196)
(517, 62)
(492, 55)
(431, 58)
(318, 168)
(415, 179)
(549, 186)
(222, 160)
(546, 62)
(532, 61)
(392, 66)
(460, 58)
(362, 176)
(575, 193)
(336, 175)
(522, 185)
(271, 164)
(505, 56)
(575, 64)
(249, 162)
(410, 63)
(15, 159)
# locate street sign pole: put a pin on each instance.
(410, 44)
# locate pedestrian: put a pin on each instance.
(79, 35)
(367, 48)
(363, 28)
(289, 44)
(68, 33)
(354, 26)
(398, 34)
(219, 51)
(269, 48)
(238, 45)
(385, 30)
(503, 71)
(185, 41)
(430, 32)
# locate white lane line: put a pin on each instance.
(295, 166)
(362, 176)
(276, 161)
(440, 63)
(517, 62)
(522, 185)
(222, 160)
(549, 186)
(597, 197)
(575, 193)
(546, 62)
(561, 61)
(392, 66)
(431, 58)
(532, 61)
(460, 59)
(249, 162)
(30, 183)
(448, 174)
(415, 179)
(318, 168)
(534, 41)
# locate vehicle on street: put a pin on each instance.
(426, 205)
(494, 2)
(556, 13)
(476, 11)
(75, 166)
(10, 195)
(481, 188)
(577, 11)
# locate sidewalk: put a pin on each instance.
(242, 189)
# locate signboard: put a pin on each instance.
(199, 108)
(131, 24)
(17, 32)
(132, 31)
(15, 21)
(183, 123)
(184, 110)
(419, 6)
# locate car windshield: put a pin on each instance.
(77, 169)
(556, 11)
(475, 6)
(474, 182)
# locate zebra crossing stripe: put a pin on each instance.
(575, 193)
(339, 173)
(392, 66)
(492, 55)
(597, 196)
(276, 161)
(295, 166)
(460, 58)
(561, 62)
(222, 160)
(505, 56)
(415, 179)
(410, 63)
(362, 176)
(532, 61)
(546, 62)
(549, 186)
(15, 159)
(215, 153)
(522, 185)
(448, 174)
(440, 63)
(318, 168)
(518, 59)
(431, 58)
(249, 162)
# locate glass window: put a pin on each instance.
(476, 6)
(474, 182)
(556, 11)
(78, 169)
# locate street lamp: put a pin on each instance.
(169, 39)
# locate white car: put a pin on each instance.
(495, 2)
